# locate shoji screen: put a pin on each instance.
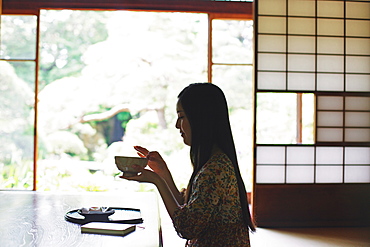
(320, 47)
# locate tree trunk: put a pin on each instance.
(161, 118)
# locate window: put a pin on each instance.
(61, 147)
(309, 50)
(318, 48)
(17, 100)
(231, 68)
(127, 87)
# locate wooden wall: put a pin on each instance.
(315, 205)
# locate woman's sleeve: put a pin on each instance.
(191, 219)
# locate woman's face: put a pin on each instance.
(183, 124)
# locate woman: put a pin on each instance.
(213, 211)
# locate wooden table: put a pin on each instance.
(37, 219)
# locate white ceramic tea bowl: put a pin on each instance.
(125, 163)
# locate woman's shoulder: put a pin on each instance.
(218, 163)
(219, 157)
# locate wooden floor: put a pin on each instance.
(311, 237)
(285, 237)
(297, 237)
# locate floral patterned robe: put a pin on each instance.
(213, 215)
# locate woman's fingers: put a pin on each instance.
(154, 155)
(141, 155)
(143, 152)
(142, 176)
(137, 168)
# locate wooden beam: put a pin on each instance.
(197, 6)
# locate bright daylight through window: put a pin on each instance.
(107, 83)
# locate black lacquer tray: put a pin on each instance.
(118, 215)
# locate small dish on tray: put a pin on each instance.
(120, 215)
(96, 211)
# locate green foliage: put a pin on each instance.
(17, 176)
(26, 71)
(124, 117)
(149, 128)
(16, 126)
(146, 188)
(92, 187)
(74, 31)
(18, 41)
(94, 61)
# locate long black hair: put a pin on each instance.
(206, 108)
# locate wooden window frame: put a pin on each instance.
(214, 9)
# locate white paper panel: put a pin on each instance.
(301, 26)
(330, 9)
(301, 63)
(330, 45)
(329, 135)
(357, 155)
(271, 62)
(329, 174)
(271, 155)
(330, 63)
(272, 43)
(358, 28)
(271, 81)
(360, 46)
(329, 119)
(357, 83)
(301, 44)
(357, 174)
(301, 8)
(330, 27)
(272, 7)
(330, 82)
(270, 174)
(271, 25)
(358, 10)
(357, 119)
(301, 81)
(358, 64)
(357, 135)
(300, 155)
(300, 174)
(358, 103)
(330, 103)
(329, 155)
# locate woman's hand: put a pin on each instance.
(144, 175)
(160, 174)
(155, 160)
